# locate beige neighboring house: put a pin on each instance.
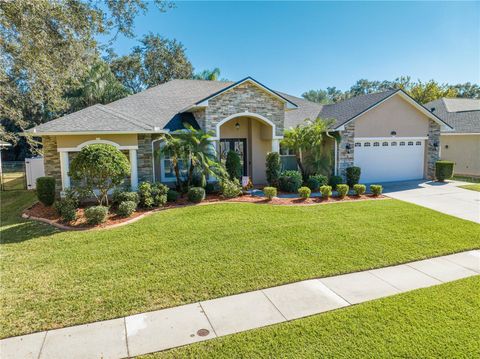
(462, 145)
(389, 135)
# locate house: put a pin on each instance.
(389, 135)
(462, 145)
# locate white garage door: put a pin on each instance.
(390, 160)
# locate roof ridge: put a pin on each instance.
(124, 116)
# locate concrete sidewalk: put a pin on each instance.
(168, 328)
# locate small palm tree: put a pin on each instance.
(174, 148)
(210, 75)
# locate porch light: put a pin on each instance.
(435, 144)
(237, 126)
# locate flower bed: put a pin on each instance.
(48, 215)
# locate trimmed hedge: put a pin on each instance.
(46, 190)
(304, 192)
(273, 168)
(335, 180)
(376, 189)
(96, 214)
(326, 191)
(443, 170)
(290, 181)
(342, 190)
(270, 192)
(233, 165)
(316, 181)
(359, 189)
(196, 194)
(353, 175)
(172, 195)
(126, 208)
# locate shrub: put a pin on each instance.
(231, 188)
(270, 192)
(443, 170)
(326, 191)
(342, 190)
(126, 208)
(172, 195)
(359, 189)
(376, 189)
(119, 197)
(96, 214)
(159, 194)
(66, 210)
(99, 167)
(233, 165)
(304, 192)
(198, 179)
(316, 181)
(212, 187)
(290, 181)
(273, 168)
(196, 194)
(152, 194)
(46, 190)
(335, 180)
(353, 175)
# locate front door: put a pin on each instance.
(238, 145)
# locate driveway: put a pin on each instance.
(442, 197)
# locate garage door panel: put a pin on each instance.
(390, 161)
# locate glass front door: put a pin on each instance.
(238, 145)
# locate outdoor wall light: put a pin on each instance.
(393, 133)
(435, 144)
(348, 147)
(446, 146)
(237, 126)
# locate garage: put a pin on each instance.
(390, 159)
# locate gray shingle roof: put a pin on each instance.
(462, 114)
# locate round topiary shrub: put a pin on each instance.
(304, 192)
(353, 175)
(96, 214)
(172, 195)
(359, 189)
(233, 165)
(376, 189)
(270, 192)
(335, 180)
(126, 208)
(326, 191)
(196, 194)
(443, 170)
(342, 190)
(46, 190)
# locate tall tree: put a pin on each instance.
(210, 75)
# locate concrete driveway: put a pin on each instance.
(445, 197)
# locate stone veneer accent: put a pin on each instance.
(345, 157)
(243, 98)
(145, 156)
(433, 153)
(52, 161)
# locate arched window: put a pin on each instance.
(385, 144)
(376, 144)
(402, 143)
(394, 143)
(366, 144)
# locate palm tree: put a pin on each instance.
(210, 75)
(174, 148)
(306, 142)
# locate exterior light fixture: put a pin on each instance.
(435, 144)
(393, 133)
(348, 147)
(237, 126)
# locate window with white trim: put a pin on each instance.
(376, 144)
(418, 143)
(385, 144)
(402, 143)
(358, 144)
(393, 143)
(410, 143)
(366, 144)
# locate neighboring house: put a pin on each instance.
(462, 145)
(389, 135)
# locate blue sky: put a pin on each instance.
(297, 46)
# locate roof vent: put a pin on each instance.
(432, 109)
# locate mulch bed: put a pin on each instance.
(48, 214)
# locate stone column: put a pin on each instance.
(433, 152)
(346, 150)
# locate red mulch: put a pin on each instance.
(41, 211)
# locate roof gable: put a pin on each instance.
(462, 120)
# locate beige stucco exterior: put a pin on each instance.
(71, 141)
(259, 143)
(394, 114)
(464, 150)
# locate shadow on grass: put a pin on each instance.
(24, 230)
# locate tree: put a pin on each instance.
(306, 142)
(128, 70)
(468, 90)
(99, 167)
(319, 96)
(98, 86)
(210, 75)
(174, 148)
(430, 91)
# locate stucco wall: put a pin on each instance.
(395, 114)
(464, 150)
(75, 140)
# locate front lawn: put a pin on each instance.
(436, 322)
(471, 187)
(53, 279)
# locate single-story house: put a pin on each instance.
(462, 145)
(389, 135)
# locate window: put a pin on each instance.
(366, 144)
(418, 143)
(410, 143)
(169, 170)
(358, 144)
(284, 151)
(402, 143)
(376, 144)
(394, 144)
(385, 144)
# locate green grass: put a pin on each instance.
(53, 279)
(436, 322)
(471, 187)
(12, 181)
(472, 179)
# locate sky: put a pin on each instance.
(297, 46)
